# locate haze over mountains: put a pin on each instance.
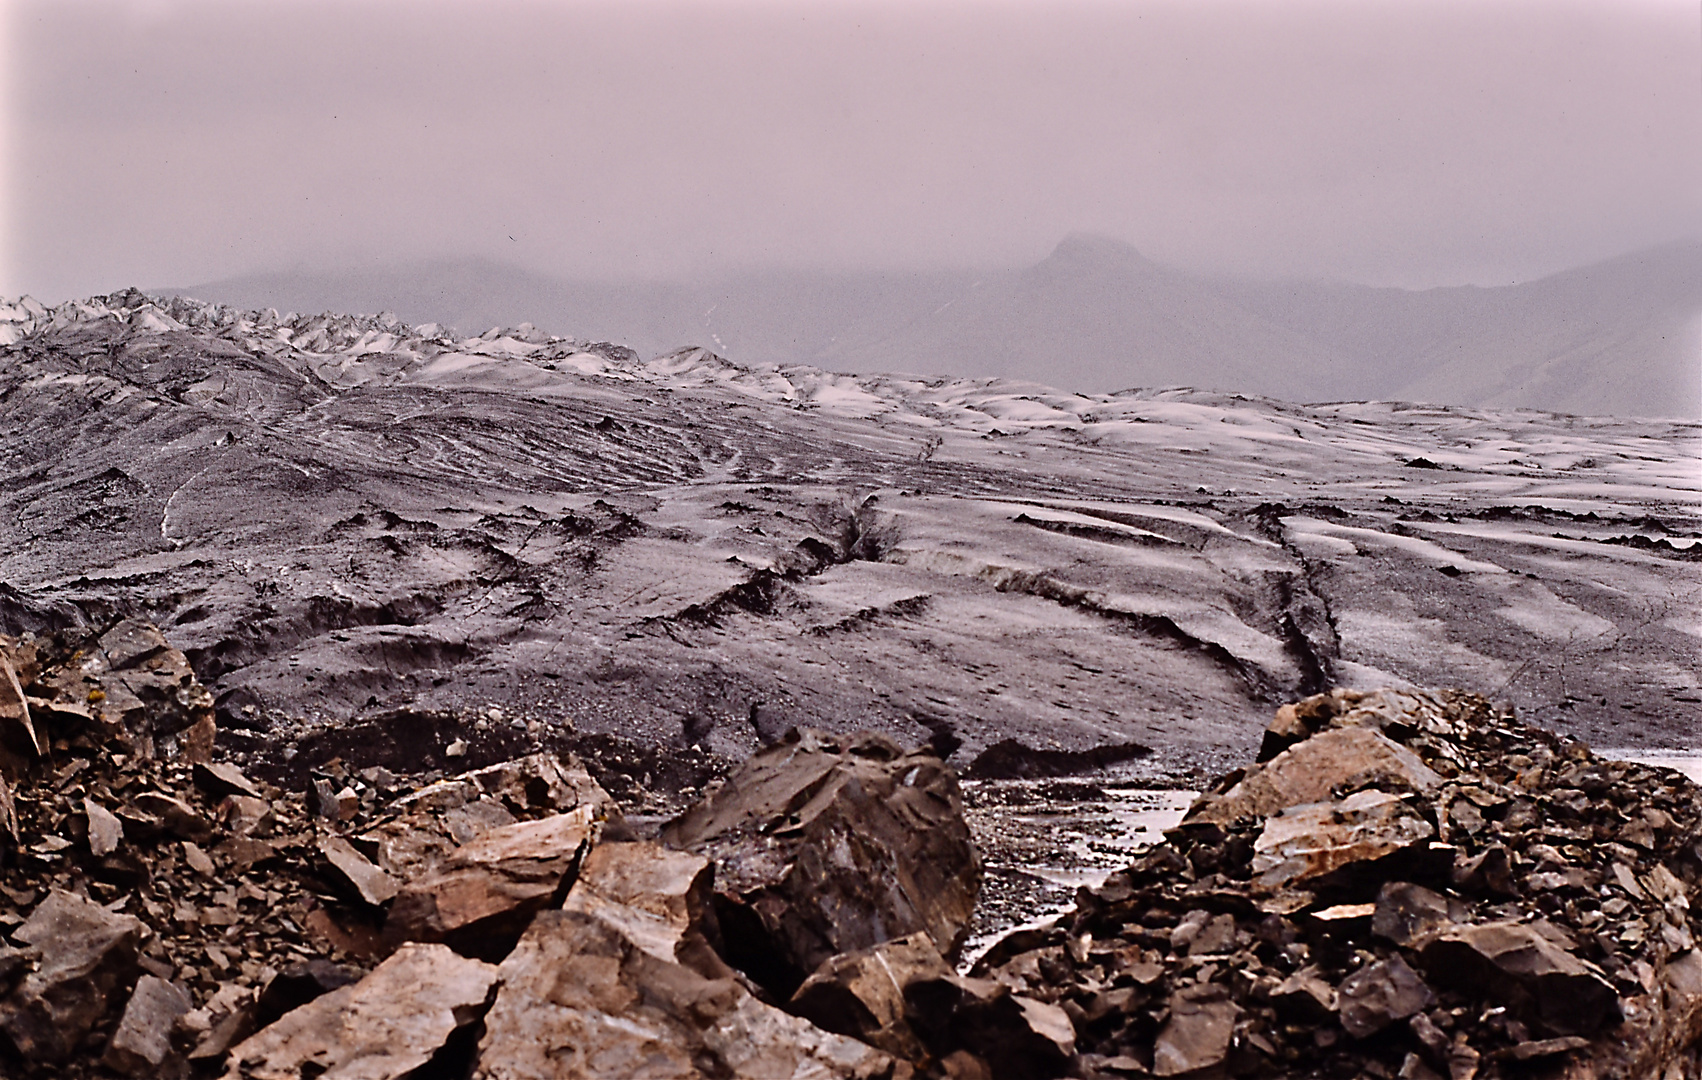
(1620, 337)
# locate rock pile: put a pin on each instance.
(1405, 884)
(170, 916)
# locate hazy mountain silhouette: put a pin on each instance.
(1618, 337)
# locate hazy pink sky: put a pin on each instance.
(159, 142)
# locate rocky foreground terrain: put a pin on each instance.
(1404, 884)
(364, 678)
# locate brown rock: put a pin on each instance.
(1198, 1033)
(1516, 965)
(1407, 913)
(222, 778)
(1018, 1036)
(370, 883)
(861, 994)
(1313, 839)
(1305, 996)
(1307, 771)
(381, 1028)
(484, 893)
(143, 1039)
(245, 815)
(87, 954)
(1489, 872)
(17, 730)
(299, 984)
(174, 815)
(1378, 994)
(659, 898)
(825, 845)
(581, 999)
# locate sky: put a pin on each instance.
(1407, 142)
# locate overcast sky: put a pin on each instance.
(159, 142)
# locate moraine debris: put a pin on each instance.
(1406, 884)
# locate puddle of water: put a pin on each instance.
(1089, 840)
(1688, 762)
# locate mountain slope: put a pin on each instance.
(1621, 337)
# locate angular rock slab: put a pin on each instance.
(861, 994)
(1307, 771)
(1018, 1037)
(383, 1027)
(580, 999)
(1516, 965)
(88, 954)
(143, 1039)
(825, 845)
(1314, 839)
(658, 897)
(1378, 994)
(1198, 1034)
(481, 896)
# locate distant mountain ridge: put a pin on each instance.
(1619, 337)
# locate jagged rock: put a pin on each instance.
(1197, 1036)
(826, 845)
(1407, 914)
(88, 955)
(105, 830)
(299, 984)
(1305, 996)
(143, 1039)
(1307, 772)
(579, 998)
(381, 1028)
(536, 782)
(371, 884)
(1378, 994)
(861, 994)
(1017, 1036)
(657, 897)
(482, 895)
(1526, 971)
(1310, 840)
(223, 778)
(147, 690)
(17, 730)
(174, 815)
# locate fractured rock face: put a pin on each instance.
(826, 845)
(1527, 971)
(381, 1028)
(143, 1039)
(1307, 772)
(861, 994)
(657, 897)
(481, 896)
(88, 955)
(581, 999)
(1308, 841)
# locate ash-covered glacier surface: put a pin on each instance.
(375, 537)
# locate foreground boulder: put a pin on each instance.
(580, 998)
(481, 896)
(386, 1026)
(1408, 884)
(88, 961)
(825, 845)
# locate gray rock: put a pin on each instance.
(1378, 994)
(105, 830)
(1516, 965)
(1406, 914)
(1197, 1035)
(143, 1039)
(88, 955)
